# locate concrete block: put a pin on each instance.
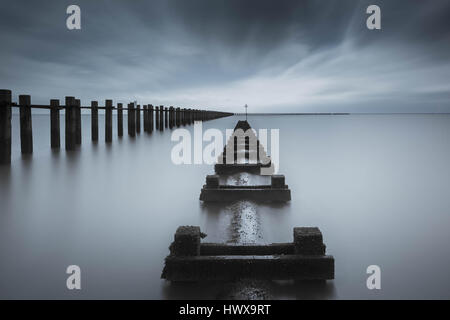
(212, 181)
(187, 241)
(230, 268)
(278, 181)
(308, 241)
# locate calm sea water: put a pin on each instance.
(378, 186)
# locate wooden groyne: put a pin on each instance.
(161, 117)
(303, 259)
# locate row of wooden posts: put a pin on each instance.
(157, 118)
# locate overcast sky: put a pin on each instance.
(276, 56)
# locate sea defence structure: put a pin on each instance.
(244, 153)
(303, 259)
(73, 127)
(192, 260)
(277, 191)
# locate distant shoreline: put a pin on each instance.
(16, 112)
(338, 113)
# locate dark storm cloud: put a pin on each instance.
(273, 55)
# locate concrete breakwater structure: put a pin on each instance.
(243, 152)
(191, 260)
(158, 117)
(303, 259)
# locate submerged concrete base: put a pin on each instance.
(257, 193)
(191, 260)
(228, 268)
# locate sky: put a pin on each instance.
(275, 56)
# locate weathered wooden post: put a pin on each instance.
(5, 127)
(131, 120)
(145, 118)
(78, 121)
(26, 131)
(166, 118)
(189, 115)
(151, 119)
(177, 119)
(119, 120)
(171, 117)
(175, 110)
(108, 120)
(157, 118)
(55, 140)
(70, 121)
(138, 118)
(94, 120)
(161, 118)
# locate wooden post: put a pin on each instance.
(26, 131)
(166, 118)
(170, 117)
(175, 117)
(157, 118)
(189, 116)
(138, 118)
(131, 120)
(55, 139)
(119, 119)
(78, 120)
(108, 120)
(161, 118)
(178, 117)
(70, 124)
(145, 118)
(5, 127)
(94, 120)
(151, 119)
